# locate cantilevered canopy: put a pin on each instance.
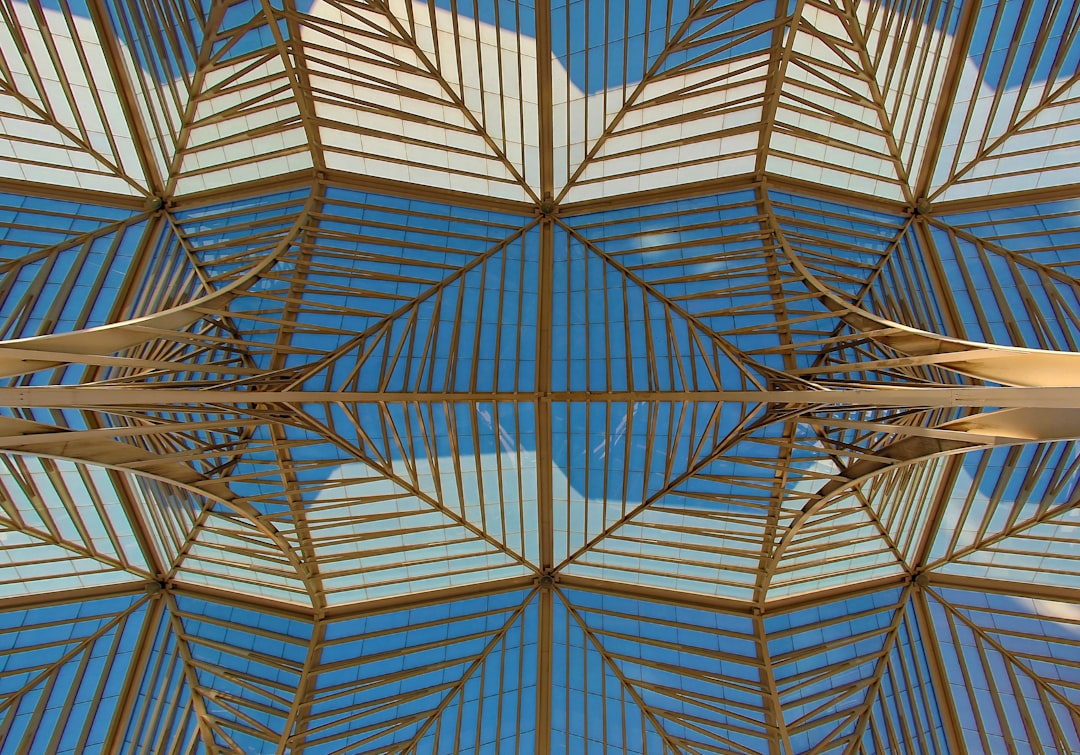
(480, 376)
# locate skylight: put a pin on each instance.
(668, 377)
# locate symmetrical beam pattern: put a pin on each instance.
(387, 376)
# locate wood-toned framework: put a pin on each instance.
(757, 324)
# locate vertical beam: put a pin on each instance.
(296, 725)
(544, 498)
(544, 661)
(125, 704)
(543, 376)
(938, 674)
(779, 741)
(546, 304)
(544, 100)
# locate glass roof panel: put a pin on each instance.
(1018, 265)
(62, 122)
(450, 675)
(1011, 515)
(644, 664)
(1013, 125)
(824, 684)
(64, 263)
(63, 528)
(252, 661)
(1012, 650)
(396, 99)
(655, 96)
(506, 376)
(62, 669)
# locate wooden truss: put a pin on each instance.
(372, 385)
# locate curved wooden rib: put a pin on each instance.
(38, 439)
(1006, 427)
(20, 356)
(1008, 365)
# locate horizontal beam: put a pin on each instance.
(1023, 198)
(12, 352)
(72, 194)
(975, 396)
(658, 195)
(668, 596)
(1053, 592)
(299, 612)
(721, 604)
(74, 595)
(344, 180)
(740, 182)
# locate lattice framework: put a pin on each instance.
(371, 385)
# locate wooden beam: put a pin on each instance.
(939, 675)
(72, 595)
(1053, 592)
(967, 396)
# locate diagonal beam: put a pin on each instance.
(126, 92)
(459, 686)
(675, 747)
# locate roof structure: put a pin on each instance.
(678, 377)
